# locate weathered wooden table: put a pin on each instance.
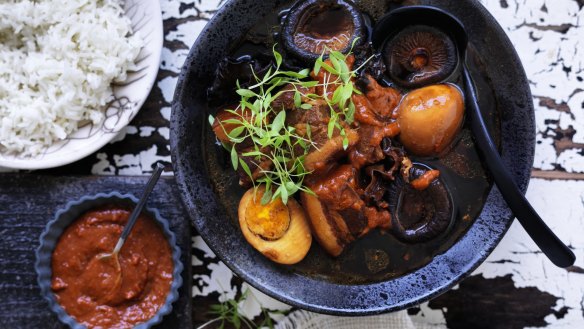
(516, 287)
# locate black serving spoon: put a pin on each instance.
(541, 234)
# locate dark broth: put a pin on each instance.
(377, 256)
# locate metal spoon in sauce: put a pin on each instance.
(539, 232)
(104, 264)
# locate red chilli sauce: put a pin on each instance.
(93, 292)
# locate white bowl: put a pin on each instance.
(130, 95)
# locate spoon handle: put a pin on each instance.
(539, 232)
(138, 209)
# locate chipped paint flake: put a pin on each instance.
(103, 167)
(128, 164)
(173, 60)
(187, 33)
(167, 85)
(164, 132)
(165, 112)
(146, 131)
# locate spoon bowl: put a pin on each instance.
(105, 271)
(398, 19)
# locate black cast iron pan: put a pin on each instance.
(191, 154)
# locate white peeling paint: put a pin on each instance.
(173, 60)
(164, 132)
(187, 33)
(146, 131)
(167, 86)
(165, 112)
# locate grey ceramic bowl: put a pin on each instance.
(72, 211)
(190, 155)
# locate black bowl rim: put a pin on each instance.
(63, 218)
(496, 230)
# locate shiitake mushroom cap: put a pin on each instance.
(313, 26)
(280, 232)
(420, 55)
(419, 216)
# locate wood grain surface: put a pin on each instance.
(28, 202)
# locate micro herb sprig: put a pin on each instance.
(256, 119)
(229, 312)
(339, 77)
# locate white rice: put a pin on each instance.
(58, 59)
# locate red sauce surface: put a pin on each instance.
(378, 105)
(339, 191)
(368, 148)
(92, 290)
(375, 111)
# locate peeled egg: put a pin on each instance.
(429, 118)
(279, 231)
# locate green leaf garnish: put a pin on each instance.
(277, 57)
(234, 158)
(245, 167)
(245, 93)
(297, 99)
(278, 123)
(265, 126)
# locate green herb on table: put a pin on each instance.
(228, 312)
